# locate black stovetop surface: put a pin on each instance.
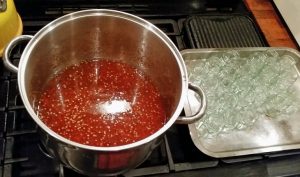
(21, 154)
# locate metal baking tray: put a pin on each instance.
(266, 135)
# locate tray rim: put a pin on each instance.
(232, 153)
(207, 50)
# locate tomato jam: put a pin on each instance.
(102, 103)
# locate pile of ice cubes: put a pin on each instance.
(241, 89)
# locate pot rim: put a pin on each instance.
(112, 13)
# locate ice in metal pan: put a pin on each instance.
(253, 99)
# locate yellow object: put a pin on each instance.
(10, 25)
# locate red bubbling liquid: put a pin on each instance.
(102, 103)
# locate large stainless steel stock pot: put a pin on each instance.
(98, 34)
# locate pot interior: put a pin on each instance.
(109, 37)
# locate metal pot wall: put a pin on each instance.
(102, 34)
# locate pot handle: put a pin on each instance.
(201, 110)
(11, 45)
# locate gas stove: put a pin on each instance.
(190, 24)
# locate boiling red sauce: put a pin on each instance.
(102, 103)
